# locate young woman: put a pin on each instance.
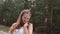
(22, 25)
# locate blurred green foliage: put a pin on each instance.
(10, 9)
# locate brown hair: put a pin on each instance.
(19, 20)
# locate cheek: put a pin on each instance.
(23, 19)
(27, 19)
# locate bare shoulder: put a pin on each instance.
(31, 24)
(12, 27)
(14, 24)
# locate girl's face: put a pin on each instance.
(25, 18)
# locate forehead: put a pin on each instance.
(26, 15)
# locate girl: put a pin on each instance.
(22, 25)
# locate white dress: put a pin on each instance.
(19, 31)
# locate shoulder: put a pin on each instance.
(30, 24)
(12, 27)
(14, 24)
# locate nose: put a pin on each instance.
(26, 20)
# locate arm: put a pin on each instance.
(25, 28)
(30, 30)
(11, 28)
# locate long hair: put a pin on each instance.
(19, 20)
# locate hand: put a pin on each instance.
(26, 24)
